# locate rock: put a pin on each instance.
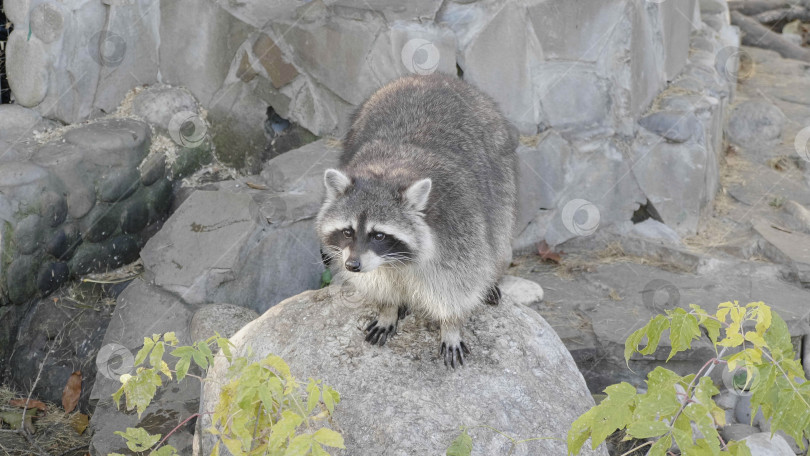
(189, 160)
(20, 275)
(142, 310)
(134, 216)
(26, 69)
(673, 125)
(159, 199)
(197, 36)
(521, 291)
(51, 276)
(71, 334)
(118, 184)
(101, 222)
(47, 21)
(573, 96)
(727, 400)
(680, 193)
(237, 127)
(222, 319)
(801, 213)
(762, 444)
(487, 41)
(755, 122)
(157, 105)
(176, 254)
(117, 142)
(17, 122)
(152, 169)
(653, 229)
(13, 174)
(63, 242)
(737, 432)
(792, 249)
(527, 360)
(128, 51)
(279, 71)
(28, 234)
(542, 175)
(103, 256)
(53, 208)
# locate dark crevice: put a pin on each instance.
(283, 135)
(646, 211)
(5, 30)
(459, 72)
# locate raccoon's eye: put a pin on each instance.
(348, 232)
(378, 236)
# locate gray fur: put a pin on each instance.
(443, 129)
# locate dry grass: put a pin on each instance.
(54, 433)
(580, 262)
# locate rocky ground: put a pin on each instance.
(755, 246)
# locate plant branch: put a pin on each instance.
(630, 451)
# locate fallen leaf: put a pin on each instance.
(256, 186)
(546, 254)
(33, 403)
(72, 391)
(79, 422)
(14, 419)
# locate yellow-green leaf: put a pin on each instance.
(328, 437)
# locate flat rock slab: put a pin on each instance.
(400, 399)
(201, 241)
(142, 310)
(790, 247)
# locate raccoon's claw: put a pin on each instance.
(454, 354)
(493, 297)
(378, 334)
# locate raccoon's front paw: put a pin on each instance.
(453, 353)
(379, 332)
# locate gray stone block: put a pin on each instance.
(527, 360)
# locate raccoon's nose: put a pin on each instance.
(353, 265)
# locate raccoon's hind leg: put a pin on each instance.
(493, 297)
(385, 325)
(453, 348)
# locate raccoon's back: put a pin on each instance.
(438, 113)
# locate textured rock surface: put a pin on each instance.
(526, 382)
(222, 319)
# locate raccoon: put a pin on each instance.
(421, 212)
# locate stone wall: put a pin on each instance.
(582, 81)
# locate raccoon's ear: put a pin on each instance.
(418, 193)
(336, 183)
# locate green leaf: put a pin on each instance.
(318, 450)
(579, 432)
(141, 388)
(631, 344)
(683, 329)
(329, 438)
(661, 446)
(299, 446)
(181, 368)
(682, 431)
(778, 339)
(654, 329)
(284, 428)
(330, 398)
(647, 429)
(461, 446)
(148, 344)
(738, 449)
(137, 439)
(165, 450)
(314, 395)
(225, 346)
(171, 338)
(613, 412)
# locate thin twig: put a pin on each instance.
(175, 429)
(74, 449)
(638, 448)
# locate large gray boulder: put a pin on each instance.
(400, 399)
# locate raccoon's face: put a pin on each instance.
(366, 223)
